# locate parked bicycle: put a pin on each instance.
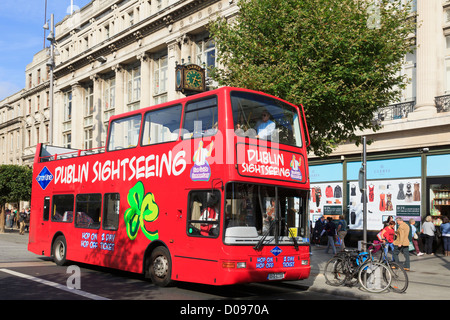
(353, 266)
(400, 279)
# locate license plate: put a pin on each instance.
(275, 276)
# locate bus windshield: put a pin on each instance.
(265, 118)
(270, 214)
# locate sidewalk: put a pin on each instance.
(429, 279)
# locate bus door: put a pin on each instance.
(44, 228)
(204, 219)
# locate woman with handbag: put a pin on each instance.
(428, 230)
(415, 237)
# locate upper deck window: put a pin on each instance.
(161, 125)
(124, 133)
(201, 118)
(265, 118)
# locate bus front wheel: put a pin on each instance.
(159, 267)
(60, 251)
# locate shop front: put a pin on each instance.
(438, 189)
(410, 185)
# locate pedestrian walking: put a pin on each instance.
(428, 230)
(445, 230)
(401, 242)
(22, 222)
(342, 231)
(318, 230)
(415, 237)
(8, 218)
(330, 229)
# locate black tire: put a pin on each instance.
(159, 267)
(59, 251)
(374, 277)
(334, 272)
(400, 280)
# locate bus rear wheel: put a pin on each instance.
(159, 267)
(60, 251)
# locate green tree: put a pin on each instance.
(339, 58)
(15, 186)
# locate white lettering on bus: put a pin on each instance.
(70, 175)
(265, 157)
(125, 169)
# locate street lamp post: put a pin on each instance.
(51, 64)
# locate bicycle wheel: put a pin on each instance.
(335, 271)
(374, 277)
(400, 279)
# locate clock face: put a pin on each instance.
(178, 78)
(194, 79)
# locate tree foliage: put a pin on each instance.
(15, 183)
(15, 186)
(341, 59)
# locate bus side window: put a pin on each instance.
(46, 209)
(204, 214)
(124, 133)
(62, 210)
(87, 210)
(201, 118)
(111, 207)
(161, 125)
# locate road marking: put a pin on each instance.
(55, 285)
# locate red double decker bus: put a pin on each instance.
(212, 188)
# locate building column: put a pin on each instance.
(145, 80)
(97, 126)
(77, 116)
(427, 59)
(120, 89)
(173, 56)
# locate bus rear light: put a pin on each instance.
(304, 262)
(232, 265)
(228, 264)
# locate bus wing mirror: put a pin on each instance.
(305, 126)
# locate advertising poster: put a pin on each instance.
(326, 199)
(400, 197)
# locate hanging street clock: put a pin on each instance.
(190, 79)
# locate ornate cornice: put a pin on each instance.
(128, 36)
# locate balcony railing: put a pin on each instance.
(395, 111)
(442, 103)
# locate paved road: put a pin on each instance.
(429, 279)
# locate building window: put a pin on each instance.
(447, 64)
(67, 140)
(206, 54)
(109, 94)
(68, 106)
(88, 133)
(134, 88)
(160, 80)
(89, 100)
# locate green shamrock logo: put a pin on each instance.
(143, 208)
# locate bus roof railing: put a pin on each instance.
(52, 153)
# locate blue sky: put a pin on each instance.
(21, 23)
